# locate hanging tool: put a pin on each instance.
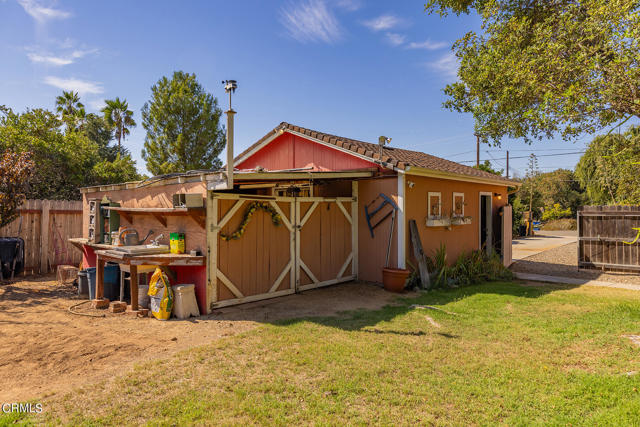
(386, 200)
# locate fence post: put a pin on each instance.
(44, 236)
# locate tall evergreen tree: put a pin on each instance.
(183, 126)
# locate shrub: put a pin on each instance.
(469, 269)
(556, 212)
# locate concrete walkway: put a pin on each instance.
(574, 281)
(542, 241)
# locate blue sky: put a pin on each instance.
(355, 68)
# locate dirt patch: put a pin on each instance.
(563, 262)
(45, 349)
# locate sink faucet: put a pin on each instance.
(156, 241)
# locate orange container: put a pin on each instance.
(394, 279)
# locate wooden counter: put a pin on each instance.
(108, 253)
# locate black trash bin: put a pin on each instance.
(11, 248)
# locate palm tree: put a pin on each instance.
(68, 103)
(118, 115)
(70, 108)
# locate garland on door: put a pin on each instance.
(248, 213)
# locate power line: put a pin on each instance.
(526, 157)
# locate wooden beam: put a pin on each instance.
(45, 219)
(345, 265)
(229, 284)
(285, 221)
(99, 294)
(212, 251)
(344, 211)
(230, 214)
(133, 281)
(313, 278)
(199, 218)
(292, 246)
(308, 214)
(283, 273)
(161, 219)
(418, 253)
(354, 227)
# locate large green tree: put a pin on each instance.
(183, 126)
(64, 161)
(610, 168)
(119, 117)
(542, 68)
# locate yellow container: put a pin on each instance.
(176, 243)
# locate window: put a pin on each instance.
(434, 205)
(458, 205)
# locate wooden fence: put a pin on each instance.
(609, 238)
(46, 226)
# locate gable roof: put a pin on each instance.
(394, 158)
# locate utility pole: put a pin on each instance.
(507, 164)
(477, 151)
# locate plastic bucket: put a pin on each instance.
(143, 296)
(111, 282)
(83, 284)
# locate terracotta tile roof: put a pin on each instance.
(396, 157)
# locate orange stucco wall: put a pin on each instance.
(372, 252)
(460, 238)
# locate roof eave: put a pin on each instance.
(431, 173)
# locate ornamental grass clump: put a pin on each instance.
(470, 268)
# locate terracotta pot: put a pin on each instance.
(394, 279)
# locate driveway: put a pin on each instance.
(542, 241)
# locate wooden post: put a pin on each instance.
(418, 253)
(44, 236)
(507, 164)
(133, 271)
(99, 277)
(354, 228)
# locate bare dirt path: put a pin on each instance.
(45, 349)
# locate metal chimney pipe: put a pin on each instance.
(230, 113)
(230, 87)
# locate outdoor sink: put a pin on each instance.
(144, 249)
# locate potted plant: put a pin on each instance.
(394, 279)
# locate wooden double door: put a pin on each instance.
(282, 245)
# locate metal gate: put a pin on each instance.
(315, 245)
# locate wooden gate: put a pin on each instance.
(313, 246)
(609, 238)
(507, 235)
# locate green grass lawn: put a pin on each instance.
(513, 355)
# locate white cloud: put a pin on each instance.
(396, 39)
(446, 65)
(76, 85)
(427, 45)
(42, 13)
(349, 5)
(49, 59)
(383, 22)
(310, 21)
(58, 60)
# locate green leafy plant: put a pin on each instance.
(556, 212)
(470, 268)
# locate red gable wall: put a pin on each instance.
(291, 151)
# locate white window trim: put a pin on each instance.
(453, 204)
(439, 195)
